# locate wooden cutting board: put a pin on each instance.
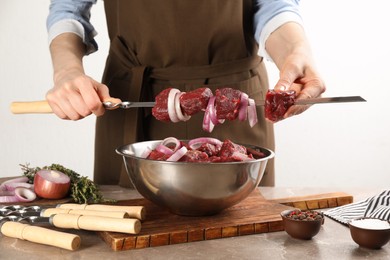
(253, 215)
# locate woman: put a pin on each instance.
(180, 44)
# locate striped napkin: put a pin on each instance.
(374, 207)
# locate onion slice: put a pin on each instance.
(23, 179)
(178, 154)
(243, 110)
(171, 105)
(51, 184)
(197, 142)
(252, 113)
(13, 185)
(21, 195)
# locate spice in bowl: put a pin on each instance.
(302, 224)
(370, 232)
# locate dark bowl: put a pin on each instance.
(301, 229)
(369, 237)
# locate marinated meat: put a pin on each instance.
(195, 156)
(208, 152)
(160, 109)
(277, 103)
(195, 101)
(175, 106)
(158, 156)
(227, 103)
(229, 148)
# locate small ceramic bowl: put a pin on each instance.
(370, 233)
(299, 228)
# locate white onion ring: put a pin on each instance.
(243, 110)
(178, 154)
(179, 113)
(197, 142)
(171, 105)
(163, 146)
(252, 113)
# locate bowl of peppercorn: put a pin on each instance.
(302, 224)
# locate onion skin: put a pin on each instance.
(50, 184)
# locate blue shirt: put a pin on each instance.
(74, 16)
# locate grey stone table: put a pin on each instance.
(333, 241)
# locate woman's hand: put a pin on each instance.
(291, 52)
(74, 95)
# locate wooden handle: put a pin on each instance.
(32, 107)
(111, 214)
(96, 223)
(133, 211)
(41, 235)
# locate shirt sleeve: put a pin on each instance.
(270, 15)
(72, 16)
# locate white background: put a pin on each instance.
(342, 145)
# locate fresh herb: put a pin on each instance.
(82, 190)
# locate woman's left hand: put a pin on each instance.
(291, 52)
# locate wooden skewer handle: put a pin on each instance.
(112, 214)
(133, 211)
(32, 107)
(41, 235)
(96, 223)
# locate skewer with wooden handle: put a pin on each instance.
(32, 107)
(96, 223)
(138, 212)
(41, 235)
(111, 214)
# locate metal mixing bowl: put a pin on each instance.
(192, 189)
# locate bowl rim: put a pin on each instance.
(119, 150)
(370, 229)
(287, 211)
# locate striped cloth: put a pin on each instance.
(374, 207)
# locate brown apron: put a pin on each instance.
(185, 45)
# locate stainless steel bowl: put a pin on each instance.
(192, 189)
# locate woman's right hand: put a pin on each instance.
(74, 95)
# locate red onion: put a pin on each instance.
(13, 185)
(197, 142)
(171, 105)
(14, 180)
(50, 184)
(252, 113)
(21, 195)
(178, 154)
(146, 153)
(180, 115)
(241, 157)
(207, 124)
(243, 110)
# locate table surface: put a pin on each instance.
(332, 242)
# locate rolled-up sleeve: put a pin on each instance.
(270, 15)
(72, 16)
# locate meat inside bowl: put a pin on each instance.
(189, 188)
